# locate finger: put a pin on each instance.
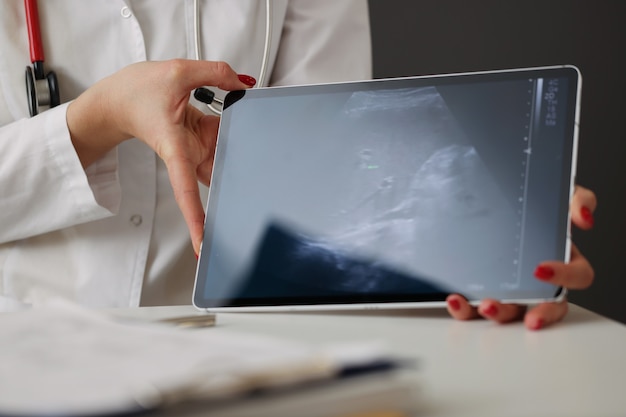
(459, 308)
(577, 274)
(192, 74)
(584, 203)
(208, 136)
(545, 314)
(500, 312)
(187, 195)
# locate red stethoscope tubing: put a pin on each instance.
(34, 31)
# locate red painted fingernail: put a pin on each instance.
(491, 310)
(197, 256)
(454, 304)
(247, 80)
(544, 272)
(587, 215)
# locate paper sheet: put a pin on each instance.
(72, 361)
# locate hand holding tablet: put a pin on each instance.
(576, 274)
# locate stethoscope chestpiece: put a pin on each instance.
(42, 90)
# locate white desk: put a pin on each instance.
(476, 368)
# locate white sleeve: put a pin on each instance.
(43, 186)
(324, 41)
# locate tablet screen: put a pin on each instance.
(391, 192)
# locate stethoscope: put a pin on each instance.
(206, 95)
(42, 89)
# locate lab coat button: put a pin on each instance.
(125, 12)
(136, 219)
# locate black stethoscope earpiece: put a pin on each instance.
(42, 89)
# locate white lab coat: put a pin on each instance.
(112, 235)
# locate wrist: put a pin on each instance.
(93, 127)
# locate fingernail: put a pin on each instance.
(197, 257)
(587, 215)
(247, 80)
(491, 310)
(454, 304)
(544, 272)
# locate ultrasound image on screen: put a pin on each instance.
(405, 190)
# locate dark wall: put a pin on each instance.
(416, 37)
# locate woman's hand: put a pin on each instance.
(150, 101)
(577, 274)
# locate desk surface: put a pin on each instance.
(475, 368)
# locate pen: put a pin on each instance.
(200, 320)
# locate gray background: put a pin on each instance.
(418, 37)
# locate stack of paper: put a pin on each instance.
(67, 361)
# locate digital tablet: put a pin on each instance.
(391, 193)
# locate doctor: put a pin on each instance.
(92, 189)
(101, 225)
